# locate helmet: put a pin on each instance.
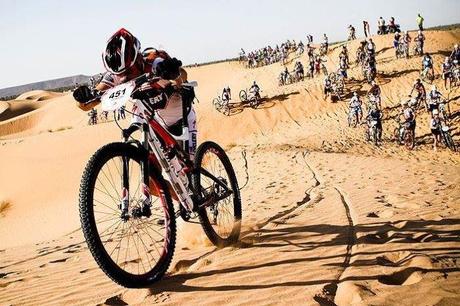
(355, 94)
(419, 31)
(447, 59)
(404, 103)
(456, 46)
(121, 52)
(435, 112)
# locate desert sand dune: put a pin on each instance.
(327, 218)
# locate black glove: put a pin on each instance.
(127, 132)
(83, 94)
(169, 69)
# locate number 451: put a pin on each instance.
(117, 93)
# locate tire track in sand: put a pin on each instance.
(327, 296)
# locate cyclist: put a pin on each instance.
(327, 87)
(344, 54)
(124, 61)
(92, 116)
(286, 75)
(355, 106)
(434, 99)
(226, 94)
(351, 32)
(435, 126)
(375, 92)
(343, 67)
(446, 69)
(299, 70)
(396, 41)
(381, 25)
(420, 90)
(427, 63)
(375, 114)
(392, 26)
(325, 42)
(455, 55)
(255, 90)
(408, 115)
(370, 47)
(420, 39)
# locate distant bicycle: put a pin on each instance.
(372, 132)
(427, 74)
(404, 135)
(221, 105)
(251, 99)
(447, 138)
(353, 116)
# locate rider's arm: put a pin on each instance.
(88, 106)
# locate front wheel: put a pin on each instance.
(131, 238)
(216, 183)
(409, 139)
(243, 96)
(449, 142)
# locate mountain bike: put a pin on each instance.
(447, 138)
(221, 105)
(126, 209)
(405, 135)
(353, 116)
(372, 132)
(251, 98)
(427, 74)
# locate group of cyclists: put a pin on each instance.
(433, 102)
(268, 55)
(298, 74)
(252, 96)
(94, 118)
(401, 44)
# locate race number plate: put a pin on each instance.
(117, 97)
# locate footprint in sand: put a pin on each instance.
(404, 277)
(416, 265)
(59, 260)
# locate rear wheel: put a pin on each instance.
(134, 248)
(216, 180)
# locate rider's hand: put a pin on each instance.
(169, 69)
(83, 94)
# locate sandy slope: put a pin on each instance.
(327, 217)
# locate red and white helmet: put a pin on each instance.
(121, 52)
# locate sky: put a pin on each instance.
(49, 39)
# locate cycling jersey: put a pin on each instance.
(168, 108)
(355, 103)
(427, 62)
(409, 114)
(446, 67)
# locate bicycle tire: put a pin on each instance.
(217, 238)
(90, 228)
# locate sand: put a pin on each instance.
(327, 218)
